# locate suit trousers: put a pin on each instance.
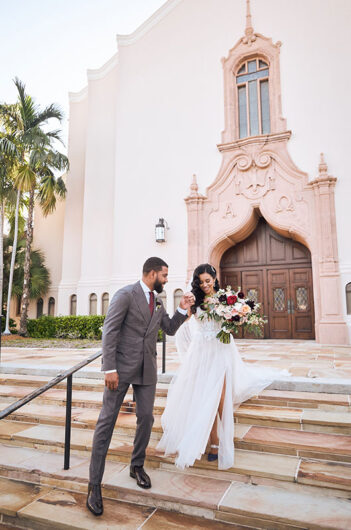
(112, 401)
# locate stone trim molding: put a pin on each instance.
(145, 27)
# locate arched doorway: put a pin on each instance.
(277, 272)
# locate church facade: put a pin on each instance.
(228, 122)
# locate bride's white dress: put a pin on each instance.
(195, 391)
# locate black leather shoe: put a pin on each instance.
(142, 478)
(94, 499)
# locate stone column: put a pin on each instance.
(194, 203)
(331, 328)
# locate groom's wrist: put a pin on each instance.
(182, 311)
(109, 371)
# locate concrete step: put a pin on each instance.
(29, 505)
(79, 383)
(285, 398)
(85, 410)
(301, 465)
(35, 505)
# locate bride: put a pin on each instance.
(211, 383)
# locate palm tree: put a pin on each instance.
(35, 173)
(39, 274)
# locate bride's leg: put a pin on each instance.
(213, 435)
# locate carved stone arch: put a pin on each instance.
(258, 174)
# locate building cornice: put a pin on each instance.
(99, 73)
(77, 97)
(145, 27)
(261, 139)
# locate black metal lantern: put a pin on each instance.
(160, 231)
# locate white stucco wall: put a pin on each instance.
(153, 117)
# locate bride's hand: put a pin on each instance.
(187, 300)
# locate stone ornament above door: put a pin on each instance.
(257, 177)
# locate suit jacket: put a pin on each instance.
(130, 335)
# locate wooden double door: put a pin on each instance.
(275, 271)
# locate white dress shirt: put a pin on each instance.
(146, 290)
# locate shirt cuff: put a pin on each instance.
(109, 371)
(182, 311)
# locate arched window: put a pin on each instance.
(178, 293)
(163, 297)
(40, 305)
(73, 305)
(51, 307)
(348, 298)
(93, 304)
(105, 301)
(253, 98)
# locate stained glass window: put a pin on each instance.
(93, 304)
(242, 111)
(252, 81)
(348, 298)
(51, 307)
(253, 295)
(301, 299)
(73, 308)
(279, 299)
(104, 303)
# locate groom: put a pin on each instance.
(129, 357)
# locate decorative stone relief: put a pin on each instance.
(228, 211)
(285, 204)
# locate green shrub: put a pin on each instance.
(67, 327)
(12, 324)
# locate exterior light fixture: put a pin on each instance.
(160, 230)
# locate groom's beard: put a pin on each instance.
(158, 287)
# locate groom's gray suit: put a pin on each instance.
(129, 346)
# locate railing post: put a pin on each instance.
(164, 338)
(0, 334)
(68, 421)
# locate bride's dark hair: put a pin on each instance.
(195, 284)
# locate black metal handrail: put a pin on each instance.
(60, 377)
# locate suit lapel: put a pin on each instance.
(142, 302)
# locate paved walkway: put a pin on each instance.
(305, 359)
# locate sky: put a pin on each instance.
(49, 44)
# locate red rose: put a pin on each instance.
(241, 295)
(231, 300)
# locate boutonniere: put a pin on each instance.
(158, 305)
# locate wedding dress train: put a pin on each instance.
(195, 393)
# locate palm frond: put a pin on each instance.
(27, 107)
(25, 178)
(8, 146)
(51, 111)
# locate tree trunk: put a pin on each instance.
(12, 268)
(26, 271)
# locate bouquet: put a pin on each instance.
(234, 310)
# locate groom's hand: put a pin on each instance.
(187, 300)
(111, 380)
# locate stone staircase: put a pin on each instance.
(292, 465)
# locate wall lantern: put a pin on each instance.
(160, 230)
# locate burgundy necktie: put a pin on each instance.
(151, 302)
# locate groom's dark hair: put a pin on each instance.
(153, 264)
